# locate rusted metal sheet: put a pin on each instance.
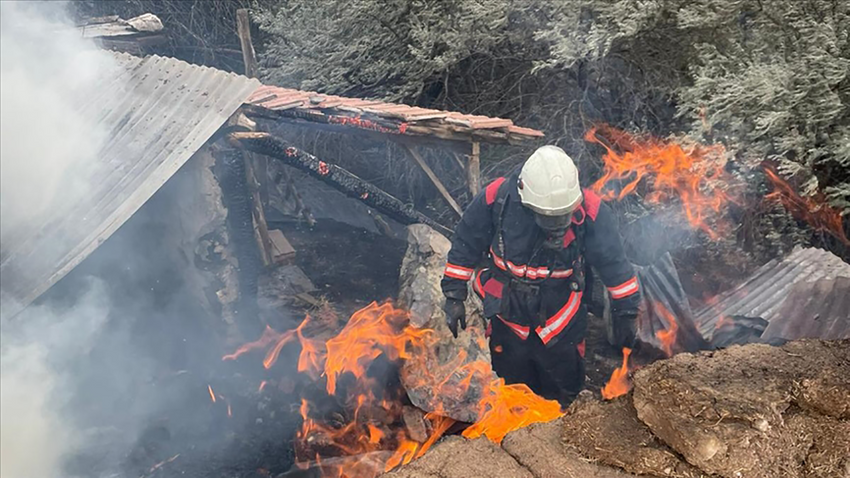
(463, 125)
(156, 113)
(806, 294)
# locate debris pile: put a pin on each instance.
(747, 411)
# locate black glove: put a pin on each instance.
(455, 312)
(625, 329)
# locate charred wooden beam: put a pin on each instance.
(339, 178)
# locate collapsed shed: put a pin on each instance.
(185, 134)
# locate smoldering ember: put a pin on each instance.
(251, 239)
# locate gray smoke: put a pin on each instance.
(46, 149)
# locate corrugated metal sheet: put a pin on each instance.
(157, 113)
(814, 309)
(320, 105)
(777, 291)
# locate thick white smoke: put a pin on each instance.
(46, 148)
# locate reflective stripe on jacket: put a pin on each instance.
(476, 242)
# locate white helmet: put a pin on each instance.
(548, 183)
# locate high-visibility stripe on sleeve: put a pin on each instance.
(458, 272)
(625, 289)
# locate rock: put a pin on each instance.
(457, 457)
(437, 381)
(539, 448)
(734, 412)
(611, 433)
(414, 421)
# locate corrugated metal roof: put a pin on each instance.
(401, 119)
(157, 112)
(777, 291)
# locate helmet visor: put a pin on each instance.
(553, 223)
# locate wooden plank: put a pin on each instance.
(282, 250)
(243, 29)
(461, 146)
(473, 169)
(435, 180)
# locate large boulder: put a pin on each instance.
(611, 433)
(541, 449)
(457, 457)
(438, 379)
(753, 411)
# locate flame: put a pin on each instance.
(212, 395)
(373, 420)
(619, 383)
(506, 408)
(666, 337)
(693, 174)
(229, 411)
(269, 336)
(812, 210)
(371, 332)
(262, 385)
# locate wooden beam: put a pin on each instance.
(460, 162)
(458, 145)
(473, 170)
(337, 177)
(243, 29)
(435, 180)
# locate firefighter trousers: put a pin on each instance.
(555, 372)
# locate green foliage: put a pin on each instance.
(387, 48)
(768, 79)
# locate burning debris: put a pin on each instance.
(370, 434)
(813, 210)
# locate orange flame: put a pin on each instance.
(212, 395)
(372, 331)
(619, 383)
(510, 407)
(691, 173)
(376, 423)
(269, 336)
(667, 337)
(812, 210)
(262, 385)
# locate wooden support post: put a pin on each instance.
(257, 183)
(243, 29)
(259, 215)
(435, 180)
(473, 169)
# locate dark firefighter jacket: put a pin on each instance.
(529, 287)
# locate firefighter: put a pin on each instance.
(533, 231)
